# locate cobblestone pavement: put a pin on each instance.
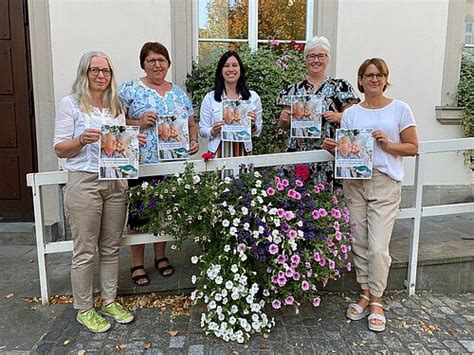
(424, 324)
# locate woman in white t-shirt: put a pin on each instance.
(95, 209)
(373, 204)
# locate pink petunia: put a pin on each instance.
(240, 247)
(297, 196)
(274, 279)
(282, 281)
(276, 304)
(315, 214)
(281, 259)
(305, 285)
(289, 300)
(295, 259)
(273, 249)
(335, 213)
(292, 234)
(296, 276)
(332, 265)
(323, 212)
(338, 235)
(334, 200)
(316, 189)
(277, 179)
(280, 212)
(336, 225)
(346, 218)
(316, 301)
(322, 262)
(321, 187)
(344, 248)
(289, 215)
(291, 193)
(285, 182)
(270, 191)
(279, 186)
(316, 256)
(299, 183)
(349, 266)
(289, 272)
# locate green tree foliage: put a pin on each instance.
(269, 70)
(465, 94)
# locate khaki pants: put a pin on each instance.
(373, 206)
(96, 213)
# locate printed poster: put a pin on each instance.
(173, 138)
(237, 124)
(306, 118)
(119, 152)
(354, 153)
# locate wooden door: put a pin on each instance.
(16, 113)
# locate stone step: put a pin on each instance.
(23, 233)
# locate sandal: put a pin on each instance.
(376, 316)
(361, 313)
(136, 278)
(164, 269)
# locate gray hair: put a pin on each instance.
(81, 87)
(317, 42)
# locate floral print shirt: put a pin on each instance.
(336, 94)
(138, 98)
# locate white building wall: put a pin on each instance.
(117, 27)
(411, 36)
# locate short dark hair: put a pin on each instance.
(219, 84)
(380, 64)
(156, 48)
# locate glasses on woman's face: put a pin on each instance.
(378, 76)
(313, 57)
(106, 72)
(153, 61)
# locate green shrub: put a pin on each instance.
(269, 70)
(465, 94)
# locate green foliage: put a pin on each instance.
(465, 94)
(270, 69)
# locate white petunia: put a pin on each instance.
(236, 222)
(193, 279)
(218, 280)
(229, 285)
(234, 268)
(196, 179)
(226, 248)
(144, 185)
(245, 211)
(246, 226)
(225, 223)
(299, 223)
(194, 259)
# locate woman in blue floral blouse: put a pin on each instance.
(144, 99)
(337, 95)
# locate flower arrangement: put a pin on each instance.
(267, 239)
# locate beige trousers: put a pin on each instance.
(96, 213)
(373, 206)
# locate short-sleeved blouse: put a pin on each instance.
(137, 99)
(336, 93)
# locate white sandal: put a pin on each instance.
(376, 316)
(361, 313)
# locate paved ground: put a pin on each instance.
(427, 323)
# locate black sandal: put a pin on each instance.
(164, 269)
(139, 277)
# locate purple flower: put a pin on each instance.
(280, 212)
(285, 182)
(349, 266)
(295, 259)
(332, 265)
(346, 218)
(280, 186)
(338, 235)
(292, 234)
(336, 225)
(271, 191)
(316, 301)
(343, 248)
(316, 256)
(274, 279)
(334, 200)
(315, 214)
(240, 247)
(322, 262)
(273, 249)
(276, 304)
(281, 259)
(305, 286)
(325, 281)
(299, 183)
(289, 300)
(282, 281)
(289, 215)
(323, 212)
(289, 272)
(296, 276)
(297, 195)
(335, 213)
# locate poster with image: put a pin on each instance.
(173, 138)
(237, 124)
(119, 152)
(354, 153)
(306, 118)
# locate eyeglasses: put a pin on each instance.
(378, 76)
(106, 72)
(153, 61)
(313, 57)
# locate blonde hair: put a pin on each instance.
(81, 87)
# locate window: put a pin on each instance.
(469, 27)
(231, 24)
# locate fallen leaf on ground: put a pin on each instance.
(173, 333)
(10, 295)
(146, 346)
(67, 341)
(121, 346)
(81, 352)
(430, 329)
(264, 346)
